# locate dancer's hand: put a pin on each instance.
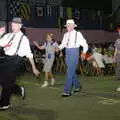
(36, 72)
(56, 49)
(34, 42)
(83, 55)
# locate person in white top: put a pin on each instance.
(72, 40)
(16, 47)
(97, 60)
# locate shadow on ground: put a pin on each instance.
(23, 112)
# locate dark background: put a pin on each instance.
(106, 5)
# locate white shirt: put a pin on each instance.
(108, 59)
(80, 41)
(1, 33)
(99, 59)
(24, 49)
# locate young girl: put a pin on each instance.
(50, 46)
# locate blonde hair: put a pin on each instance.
(49, 34)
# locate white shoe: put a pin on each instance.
(52, 81)
(4, 107)
(118, 89)
(22, 92)
(45, 84)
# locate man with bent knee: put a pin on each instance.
(16, 46)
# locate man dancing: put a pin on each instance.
(16, 47)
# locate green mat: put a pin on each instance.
(98, 100)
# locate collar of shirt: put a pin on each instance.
(70, 39)
(71, 32)
(18, 33)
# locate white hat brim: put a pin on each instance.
(73, 24)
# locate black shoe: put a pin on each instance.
(4, 107)
(66, 94)
(77, 90)
(22, 93)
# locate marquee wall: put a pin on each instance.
(92, 36)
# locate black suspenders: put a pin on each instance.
(2, 35)
(18, 45)
(75, 38)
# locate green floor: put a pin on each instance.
(98, 100)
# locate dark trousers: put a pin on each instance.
(10, 68)
(7, 92)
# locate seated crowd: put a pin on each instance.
(98, 60)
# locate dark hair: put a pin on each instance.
(23, 30)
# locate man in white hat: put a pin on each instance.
(16, 47)
(72, 40)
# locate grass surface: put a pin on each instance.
(98, 100)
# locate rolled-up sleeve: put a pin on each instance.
(25, 49)
(82, 41)
(4, 40)
(63, 44)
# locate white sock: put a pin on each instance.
(52, 81)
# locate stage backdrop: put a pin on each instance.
(92, 36)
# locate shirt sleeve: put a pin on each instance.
(63, 44)
(4, 40)
(82, 41)
(25, 48)
(55, 45)
(44, 45)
